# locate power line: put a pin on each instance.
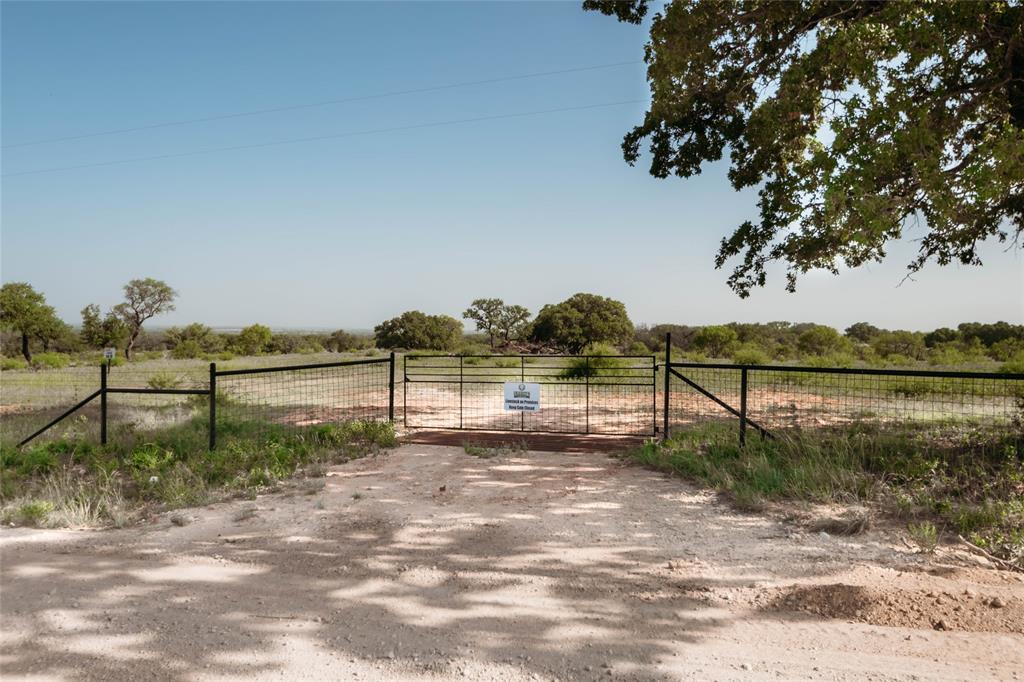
(311, 105)
(317, 138)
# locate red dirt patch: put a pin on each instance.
(967, 611)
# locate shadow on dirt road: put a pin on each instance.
(428, 563)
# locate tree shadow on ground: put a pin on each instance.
(519, 563)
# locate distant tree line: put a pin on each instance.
(582, 323)
(30, 327)
(970, 342)
(573, 325)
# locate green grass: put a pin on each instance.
(966, 479)
(70, 482)
(7, 364)
(51, 360)
(478, 450)
(847, 385)
(34, 512)
(925, 535)
(164, 380)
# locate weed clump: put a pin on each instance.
(925, 535)
(164, 381)
(485, 452)
(70, 482)
(34, 513)
(967, 478)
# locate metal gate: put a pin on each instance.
(596, 394)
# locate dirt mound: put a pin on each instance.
(966, 611)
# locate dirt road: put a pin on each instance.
(428, 563)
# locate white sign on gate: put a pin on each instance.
(522, 397)
(109, 353)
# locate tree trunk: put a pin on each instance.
(131, 345)
(24, 348)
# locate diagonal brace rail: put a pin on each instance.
(65, 415)
(726, 406)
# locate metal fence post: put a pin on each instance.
(103, 403)
(460, 390)
(654, 395)
(586, 374)
(391, 388)
(405, 391)
(668, 367)
(213, 405)
(743, 407)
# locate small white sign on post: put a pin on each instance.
(522, 397)
(109, 353)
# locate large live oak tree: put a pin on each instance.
(582, 320)
(854, 119)
(417, 330)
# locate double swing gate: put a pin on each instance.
(594, 394)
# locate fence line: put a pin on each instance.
(298, 396)
(771, 398)
(582, 395)
(257, 400)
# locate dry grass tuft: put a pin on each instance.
(851, 522)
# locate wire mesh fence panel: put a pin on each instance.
(690, 396)
(150, 411)
(622, 409)
(945, 404)
(29, 399)
(785, 398)
(431, 398)
(563, 409)
(577, 394)
(294, 398)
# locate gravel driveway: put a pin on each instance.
(428, 563)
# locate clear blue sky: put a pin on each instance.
(347, 231)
